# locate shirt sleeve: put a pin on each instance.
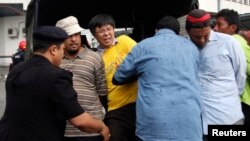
(239, 64)
(247, 54)
(65, 96)
(101, 83)
(127, 70)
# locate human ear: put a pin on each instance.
(53, 50)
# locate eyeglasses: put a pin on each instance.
(104, 30)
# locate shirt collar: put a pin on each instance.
(164, 31)
(101, 49)
(213, 36)
(79, 55)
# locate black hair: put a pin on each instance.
(100, 20)
(231, 16)
(169, 22)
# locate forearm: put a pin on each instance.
(86, 123)
(131, 79)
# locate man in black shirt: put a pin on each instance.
(40, 97)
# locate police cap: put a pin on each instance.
(49, 34)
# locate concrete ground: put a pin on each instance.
(3, 74)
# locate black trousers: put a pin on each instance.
(246, 112)
(94, 138)
(121, 123)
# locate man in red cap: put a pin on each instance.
(19, 56)
(222, 71)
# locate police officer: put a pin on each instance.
(19, 56)
(40, 97)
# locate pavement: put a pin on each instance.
(3, 75)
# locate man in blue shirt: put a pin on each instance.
(222, 71)
(228, 21)
(168, 106)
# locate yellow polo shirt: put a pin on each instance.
(121, 95)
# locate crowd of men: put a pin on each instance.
(164, 88)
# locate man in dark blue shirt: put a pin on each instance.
(19, 56)
(40, 97)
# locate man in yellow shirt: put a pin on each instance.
(120, 117)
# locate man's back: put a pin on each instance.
(168, 77)
(169, 94)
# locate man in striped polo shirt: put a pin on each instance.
(89, 79)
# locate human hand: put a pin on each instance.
(105, 133)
